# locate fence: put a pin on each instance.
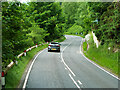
(20, 55)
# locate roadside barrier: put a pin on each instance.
(36, 45)
(3, 79)
(25, 53)
(3, 73)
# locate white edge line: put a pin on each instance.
(97, 65)
(64, 61)
(25, 82)
(74, 81)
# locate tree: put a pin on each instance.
(25, 25)
(12, 28)
(48, 15)
(70, 10)
(110, 24)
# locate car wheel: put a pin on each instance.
(48, 50)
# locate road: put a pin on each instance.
(68, 69)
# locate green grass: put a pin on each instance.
(14, 75)
(102, 56)
(85, 46)
(74, 29)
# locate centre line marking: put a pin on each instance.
(64, 61)
(74, 81)
(79, 82)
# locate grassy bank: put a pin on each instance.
(102, 56)
(85, 46)
(75, 30)
(14, 75)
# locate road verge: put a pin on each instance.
(16, 75)
(101, 56)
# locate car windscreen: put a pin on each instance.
(54, 43)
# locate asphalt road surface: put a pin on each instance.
(68, 69)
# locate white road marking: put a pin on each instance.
(69, 69)
(97, 65)
(74, 81)
(25, 82)
(65, 37)
(64, 61)
(79, 82)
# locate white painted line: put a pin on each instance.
(97, 65)
(69, 69)
(80, 49)
(79, 82)
(25, 82)
(66, 37)
(74, 81)
(64, 61)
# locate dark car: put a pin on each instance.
(54, 46)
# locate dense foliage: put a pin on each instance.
(109, 25)
(101, 17)
(24, 25)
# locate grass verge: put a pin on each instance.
(102, 56)
(85, 46)
(14, 75)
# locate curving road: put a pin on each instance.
(68, 69)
